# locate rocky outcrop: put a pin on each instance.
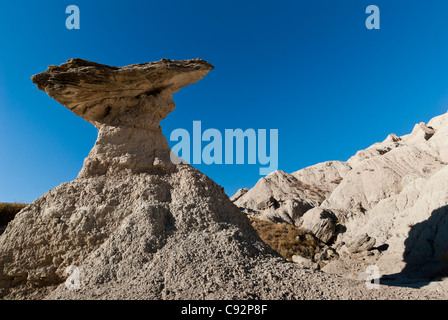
(284, 197)
(361, 243)
(136, 226)
(321, 223)
(278, 197)
(324, 177)
(7, 213)
(239, 194)
(389, 203)
(385, 207)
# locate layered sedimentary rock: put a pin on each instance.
(126, 177)
(389, 202)
(135, 226)
(398, 196)
(284, 197)
(278, 197)
(126, 105)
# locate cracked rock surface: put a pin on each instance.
(390, 203)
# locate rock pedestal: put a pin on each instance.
(126, 105)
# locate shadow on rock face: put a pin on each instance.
(426, 253)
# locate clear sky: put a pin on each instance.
(310, 69)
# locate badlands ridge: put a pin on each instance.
(136, 226)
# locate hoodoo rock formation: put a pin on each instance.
(126, 105)
(136, 226)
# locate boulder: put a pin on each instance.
(321, 223)
(361, 243)
(304, 262)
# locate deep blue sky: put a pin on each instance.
(310, 69)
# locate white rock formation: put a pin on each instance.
(284, 197)
(239, 194)
(137, 226)
(324, 176)
(321, 223)
(398, 197)
(392, 196)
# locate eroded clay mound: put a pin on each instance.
(388, 203)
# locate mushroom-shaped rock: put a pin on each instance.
(126, 104)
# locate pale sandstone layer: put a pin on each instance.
(386, 206)
(136, 225)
